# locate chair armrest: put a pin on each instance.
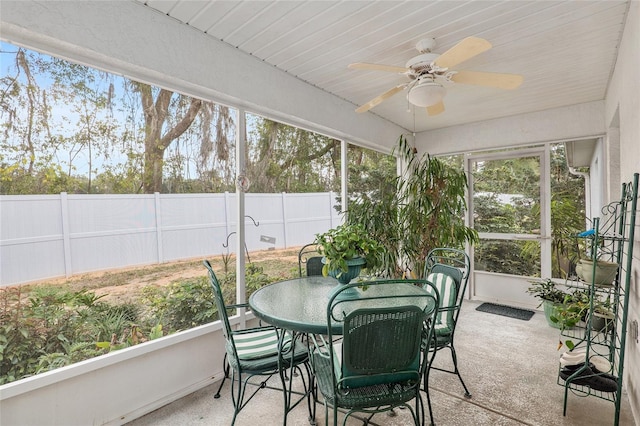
(238, 305)
(254, 329)
(320, 344)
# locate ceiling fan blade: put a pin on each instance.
(435, 109)
(377, 67)
(464, 50)
(378, 99)
(492, 79)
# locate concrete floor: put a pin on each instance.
(509, 365)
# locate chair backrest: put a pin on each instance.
(309, 257)
(219, 300)
(448, 271)
(227, 331)
(382, 333)
(258, 342)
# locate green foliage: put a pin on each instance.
(282, 158)
(345, 242)
(371, 174)
(522, 216)
(72, 353)
(183, 304)
(573, 309)
(508, 256)
(380, 218)
(547, 289)
(53, 326)
(566, 221)
(18, 337)
(421, 210)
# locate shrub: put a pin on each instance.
(182, 305)
(19, 340)
(52, 326)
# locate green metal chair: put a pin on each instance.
(379, 364)
(447, 273)
(260, 351)
(311, 259)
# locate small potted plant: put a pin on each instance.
(605, 272)
(347, 249)
(602, 273)
(602, 319)
(551, 298)
(572, 310)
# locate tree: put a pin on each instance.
(53, 112)
(283, 158)
(156, 137)
(60, 117)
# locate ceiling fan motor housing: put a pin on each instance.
(426, 45)
(421, 62)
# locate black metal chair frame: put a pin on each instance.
(291, 358)
(388, 389)
(312, 264)
(456, 264)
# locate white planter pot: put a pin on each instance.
(605, 272)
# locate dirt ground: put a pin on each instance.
(124, 285)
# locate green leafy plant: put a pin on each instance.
(548, 290)
(424, 209)
(346, 242)
(572, 310)
(182, 304)
(48, 326)
(19, 340)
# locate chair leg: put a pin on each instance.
(236, 399)
(311, 395)
(467, 394)
(426, 386)
(326, 414)
(426, 390)
(419, 414)
(225, 367)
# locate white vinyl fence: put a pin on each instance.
(46, 236)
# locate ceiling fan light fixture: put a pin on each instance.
(426, 94)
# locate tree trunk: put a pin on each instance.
(155, 143)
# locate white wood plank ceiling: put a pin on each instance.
(566, 50)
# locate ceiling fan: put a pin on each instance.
(427, 72)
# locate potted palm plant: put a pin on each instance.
(420, 210)
(347, 249)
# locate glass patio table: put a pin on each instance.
(300, 304)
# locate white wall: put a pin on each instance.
(622, 112)
(582, 121)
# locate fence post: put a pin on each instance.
(285, 219)
(330, 210)
(66, 240)
(227, 228)
(158, 227)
